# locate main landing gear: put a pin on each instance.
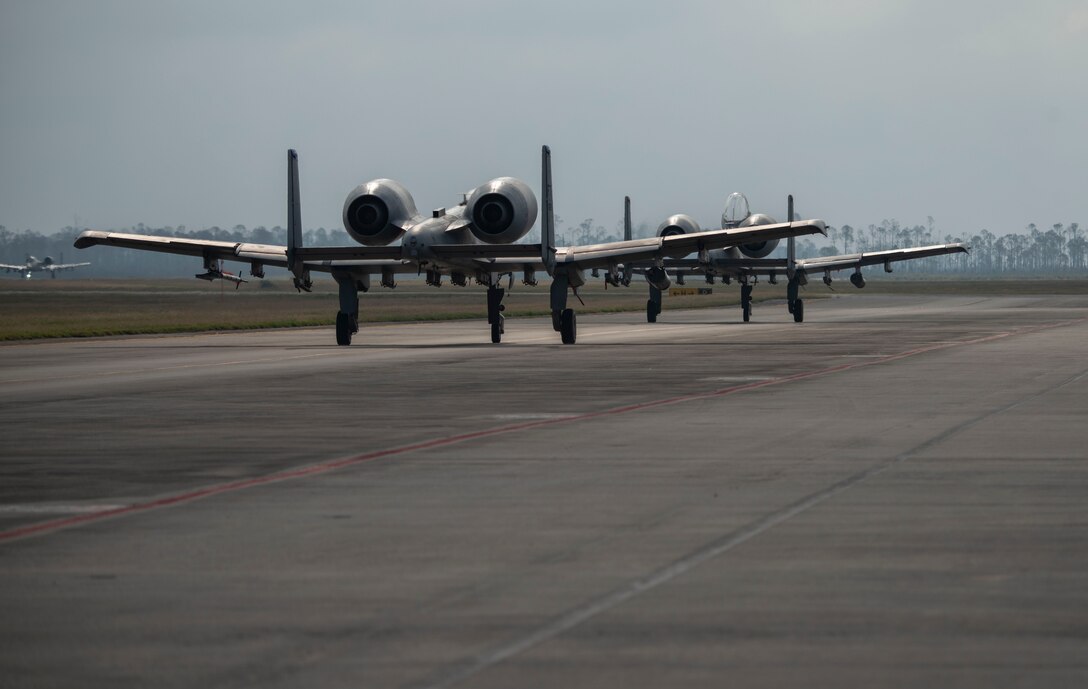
(346, 326)
(794, 303)
(347, 319)
(746, 301)
(564, 320)
(494, 312)
(568, 326)
(565, 323)
(653, 305)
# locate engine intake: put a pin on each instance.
(376, 213)
(678, 224)
(501, 211)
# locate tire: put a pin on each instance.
(651, 311)
(746, 311)
(568, 326)
(798, 311)
(496, 333)
(343, 329)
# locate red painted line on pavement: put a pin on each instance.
(324, 467)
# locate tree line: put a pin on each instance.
(1061, 249)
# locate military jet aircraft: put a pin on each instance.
(748, 261)
(34, 265)
(472, 240)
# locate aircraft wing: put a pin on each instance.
(10, 268)
(64, 266)
(680, 245)
(186, 247)
(765, 266)
(316, 258)
(870, 258)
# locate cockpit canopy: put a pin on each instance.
(736, 210)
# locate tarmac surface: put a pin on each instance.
(892, 493)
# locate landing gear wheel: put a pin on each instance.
(497, 329)
(556, 317)
(747, 312)
(568, 326)
(798, 311)
(344, 329)
(651, 311)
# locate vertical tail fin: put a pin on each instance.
(547, 221)
(295, 264)
(628, 269)
(294, 217)
(626, 218)
(791, 243)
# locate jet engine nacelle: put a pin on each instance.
(678, 224)
(758, 249)
(501, 211)
(376, 213)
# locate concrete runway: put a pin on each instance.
(890, 494)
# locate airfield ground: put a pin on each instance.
(32, 309)
(890, 494)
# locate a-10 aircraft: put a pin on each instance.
(747, 262)
(34, 265)
(473, 240)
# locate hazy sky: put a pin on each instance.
(168, 113)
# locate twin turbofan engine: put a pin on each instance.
(498, 212)
(685, 224)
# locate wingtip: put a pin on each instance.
(88, 238)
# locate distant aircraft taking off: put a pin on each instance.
(33, 265)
